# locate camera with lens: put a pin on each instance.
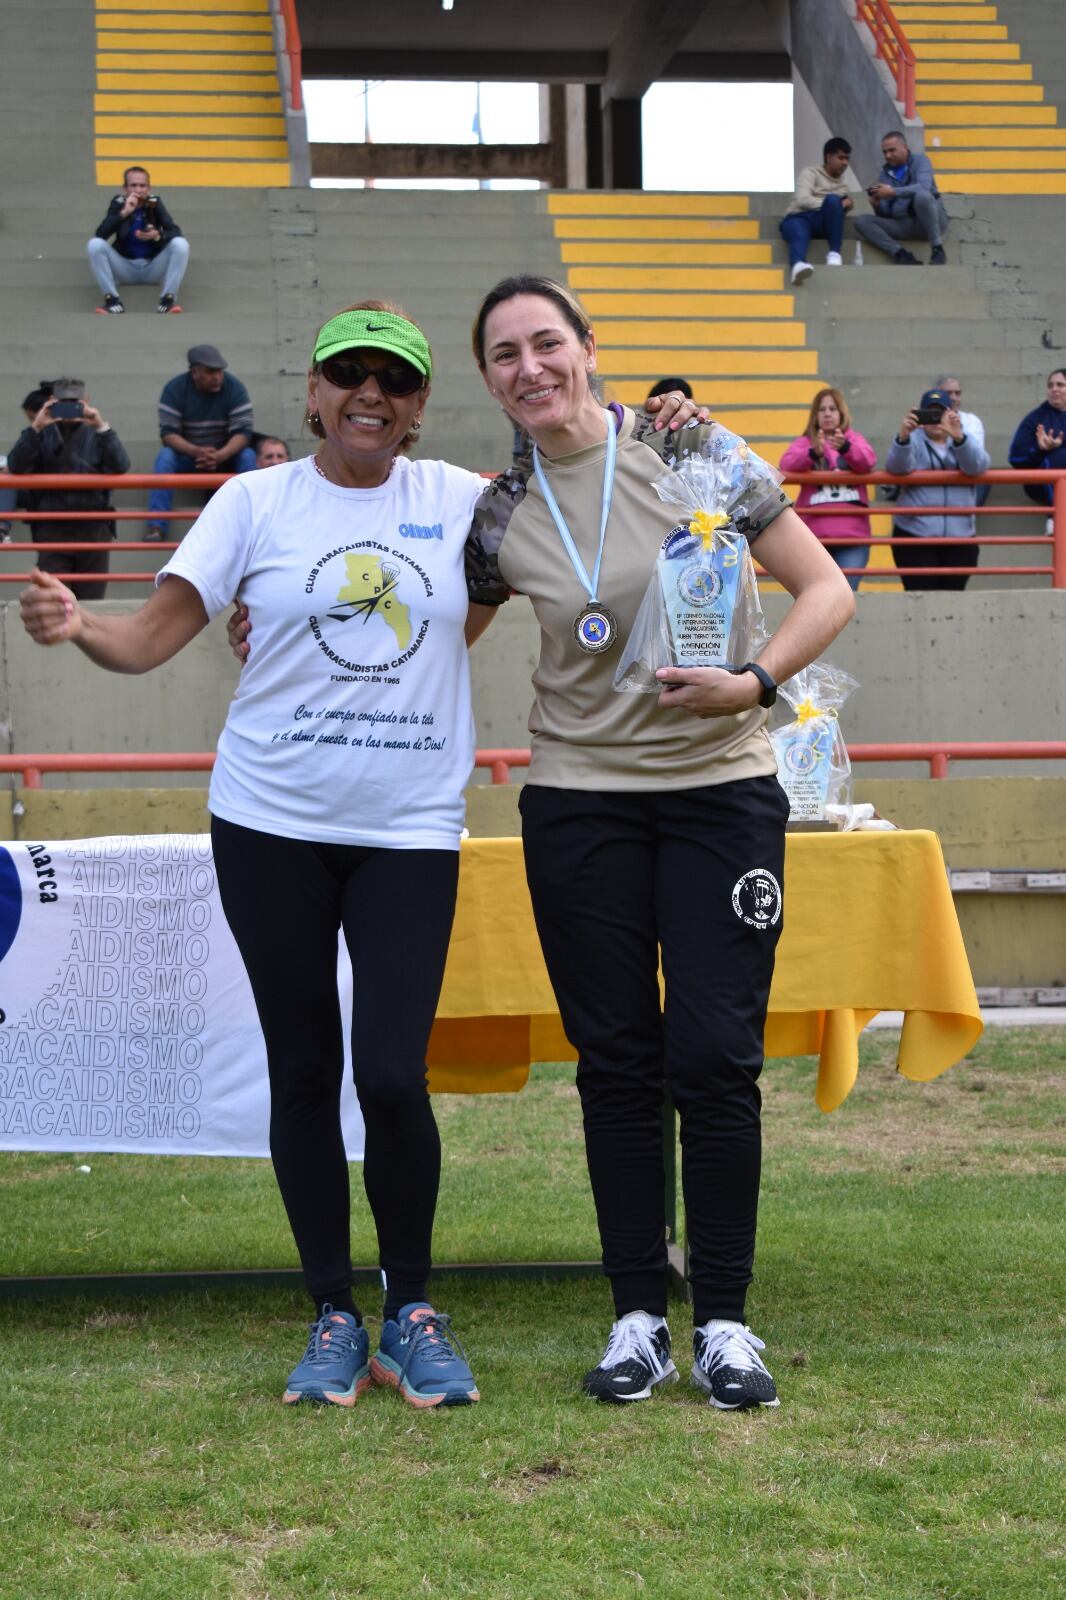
(68, 404)
(930, 416)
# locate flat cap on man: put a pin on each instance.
(206, 355)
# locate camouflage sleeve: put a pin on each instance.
(492, 514)
(755, 495)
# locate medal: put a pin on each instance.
(595, 629)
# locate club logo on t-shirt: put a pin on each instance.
(369, 607)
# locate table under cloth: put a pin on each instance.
(869, 926)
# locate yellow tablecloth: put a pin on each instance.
(869, 926)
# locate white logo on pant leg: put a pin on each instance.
(757, 898)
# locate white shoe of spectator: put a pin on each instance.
(801, 271)
(834, 259)
(1049, 525)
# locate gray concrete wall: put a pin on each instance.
(931, 666)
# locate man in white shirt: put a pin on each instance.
(973, 427)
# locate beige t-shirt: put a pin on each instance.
(585, 733)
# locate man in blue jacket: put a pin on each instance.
(906, 204)
(148, 248)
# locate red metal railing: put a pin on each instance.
(891, 44)
(287, 9)
(937, 754)
(1054, 543)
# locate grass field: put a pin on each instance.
(910, 1290)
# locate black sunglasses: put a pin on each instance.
(345, 372)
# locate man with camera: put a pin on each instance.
(906, 204)
(148, 247)
(68, 434)
(931, 438)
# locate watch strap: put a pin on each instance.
(769, 687)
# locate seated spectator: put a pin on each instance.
(906, 204)
(934, 446)
(830, 444)
(1040, 438)
(270, 451)
(818, 208)
(68, 434)
(11, 499)
(206, 424)
(668, 385)
(148, 247)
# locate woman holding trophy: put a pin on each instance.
(652, 822)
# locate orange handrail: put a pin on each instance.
(892, 46)
(293, 50)
(938, 753)
(1055, 541)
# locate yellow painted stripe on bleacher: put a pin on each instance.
(170, 62)
(973, 71)
(176, 104)
(1010, 183)
(680, 335)
(967, 33)
(209, 174)
(253, 44)
(971, 116)
(182, 22)
(986, 93)
(147, 122)
(655, 228)
(645, 278)
(731, 362)
(706, 255)
(702, 364)
(978, 13)
(924, 51)
(598, 203)
(949, 139)
(185, 149)
(248, 6)
(151, 84)
(689, 305)
(956, 161)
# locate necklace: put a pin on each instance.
(595, 628)
(323, 474)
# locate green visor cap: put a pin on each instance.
(375, 330)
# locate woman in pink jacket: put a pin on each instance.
(830, 443)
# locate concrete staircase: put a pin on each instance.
(989, 126)
(189, 87)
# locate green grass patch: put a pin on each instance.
(909, 1288)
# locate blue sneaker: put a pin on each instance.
(420, 1355)
(334, 1368)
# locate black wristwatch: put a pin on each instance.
(768, 697)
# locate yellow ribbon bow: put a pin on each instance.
(807, 711)
(705, 525)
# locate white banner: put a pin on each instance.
(126, 1017)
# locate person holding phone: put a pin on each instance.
(68, 434)
(149, 246)
(829, 443)
(931, 438)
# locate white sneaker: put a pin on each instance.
(834, 259)
(1049, 525)
(801, 271)
(728, 1369)
(637, 1357)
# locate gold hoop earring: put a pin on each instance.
(415, 429)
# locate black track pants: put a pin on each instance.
(697, 872)
(285, 900)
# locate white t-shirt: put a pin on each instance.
(351, 723)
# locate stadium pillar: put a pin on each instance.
(623, 156)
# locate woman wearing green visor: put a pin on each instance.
(337, 803)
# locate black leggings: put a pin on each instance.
(285, 900)
(697, 873)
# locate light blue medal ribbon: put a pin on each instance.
(595, 629)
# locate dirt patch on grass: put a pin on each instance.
(528, 1481)
(114, 1319)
